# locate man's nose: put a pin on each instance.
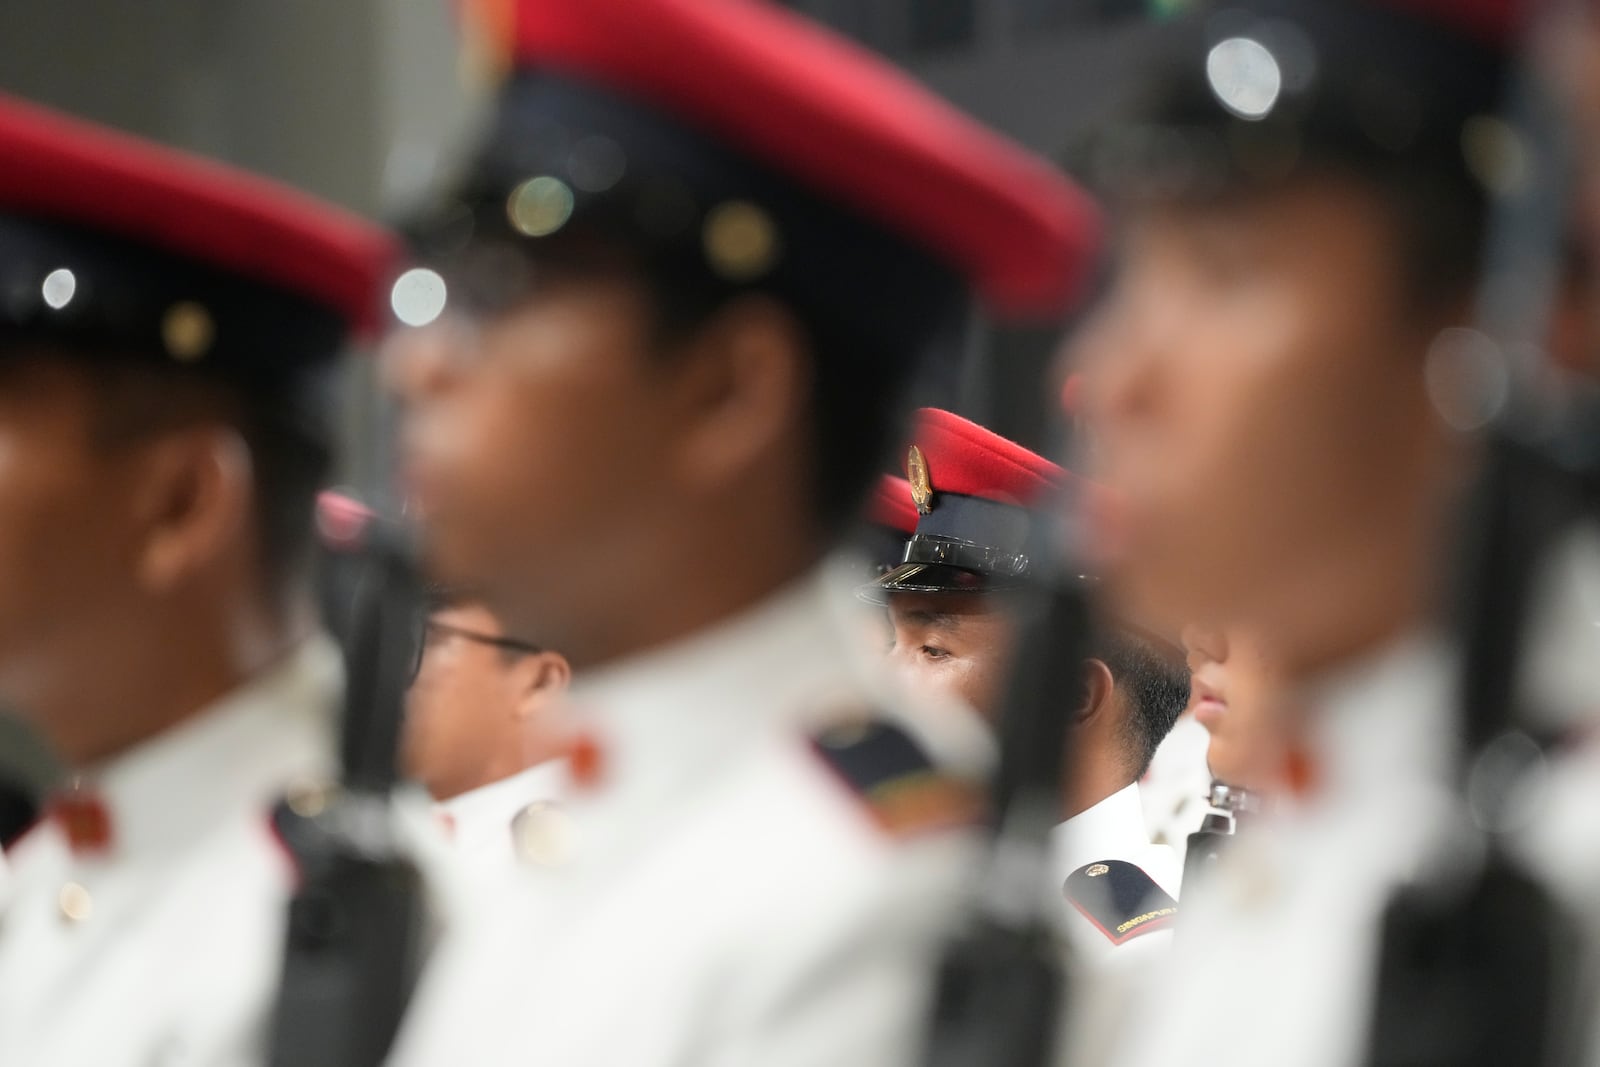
(420, 362)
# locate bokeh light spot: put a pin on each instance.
(1245, 76)
(418, 297)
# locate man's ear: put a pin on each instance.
(542, 677)
(192, 502)
(1098, 686)
(746, 384)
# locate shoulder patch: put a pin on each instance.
(900, 786)
(1119, 899)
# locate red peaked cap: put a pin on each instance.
(60, 169)
(841, 120)
(973, 529)
(891, 506)
(966, 458)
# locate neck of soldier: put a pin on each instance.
(1358, 614)
(1095, 780)
(1097, 758)
(524, 744)
(709, 566)
(179, 658)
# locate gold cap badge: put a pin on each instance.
(1097, 870)
(741, 241)
(917, 474)
(187, 330)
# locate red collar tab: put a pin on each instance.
(84, 819)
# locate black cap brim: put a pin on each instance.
(926, 578)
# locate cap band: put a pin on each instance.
(1002, 529)
(62, 284)
(983, 559)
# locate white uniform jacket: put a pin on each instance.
(762, 868)
(1285, 929)
(163, 947)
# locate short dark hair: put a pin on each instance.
(283, 425)
(1154, 686)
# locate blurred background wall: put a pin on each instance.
(354, 100)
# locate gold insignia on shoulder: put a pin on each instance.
(741, 240)
(917, 475)
(1097, 870)
(187, 330)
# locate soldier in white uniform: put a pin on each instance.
(485, 734)
(954, 633)
(1259, 387)
(170, 324)
(702, 249)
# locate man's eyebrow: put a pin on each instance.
(928, 617)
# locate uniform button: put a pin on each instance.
(74, 902)
(541, 834)
(845, 735)
(308, 799)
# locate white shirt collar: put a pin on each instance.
(480, 819)
(240, 752)
(1386, 720)
(1104, 831)
(789, 656)
(671, 722)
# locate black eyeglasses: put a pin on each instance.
(428, 626)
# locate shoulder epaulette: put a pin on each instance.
(903, 790)
(1121, 900)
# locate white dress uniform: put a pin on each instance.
(1287, 925)
(745, 886)
(1116, 894)
(163, 948)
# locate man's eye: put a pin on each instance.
(933, 652)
